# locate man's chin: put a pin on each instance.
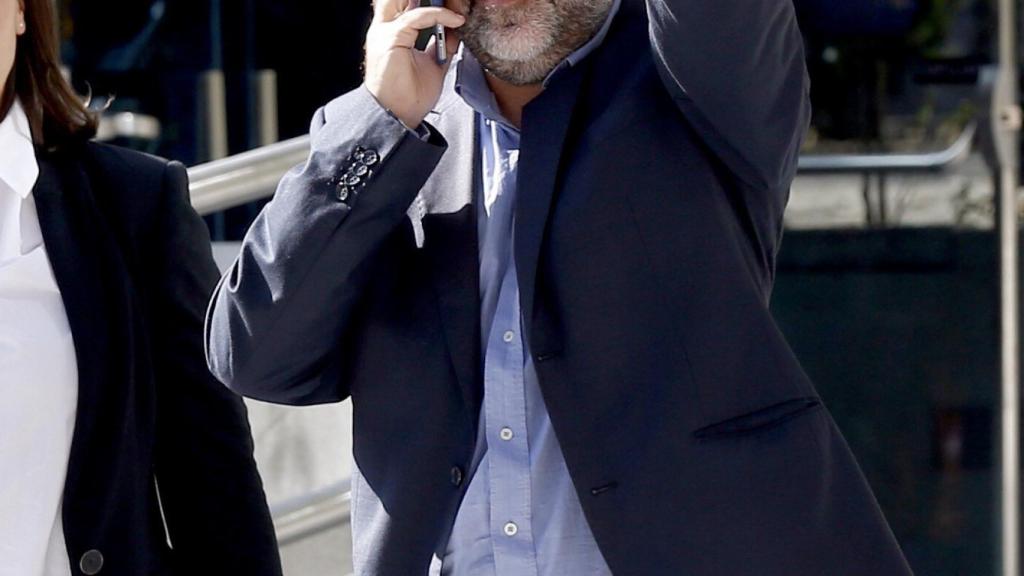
(491, 4)
(517, 48)
(517, 73)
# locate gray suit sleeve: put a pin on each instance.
(281, 310)
(736, 69)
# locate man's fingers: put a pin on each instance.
(388, 10)
(424, 18)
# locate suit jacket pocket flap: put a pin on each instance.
(758, 420)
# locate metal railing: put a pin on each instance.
(311, 514)
(936, 161)
(254, 175)
(876, 168)
(245, 177)
(1005, 113)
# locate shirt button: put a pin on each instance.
(506, 434)
(511, 529)
(456, 476)
(509, 336)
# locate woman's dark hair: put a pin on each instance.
(56, 114)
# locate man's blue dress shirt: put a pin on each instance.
(521, 515)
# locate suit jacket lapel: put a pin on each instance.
(72, 230)
(446, 208)
(448, 214)
(546, 122)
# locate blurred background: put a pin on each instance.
(888, 277)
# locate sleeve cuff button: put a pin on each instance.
(342, 192)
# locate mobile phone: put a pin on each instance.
(440, 37)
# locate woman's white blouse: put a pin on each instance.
(38, 372)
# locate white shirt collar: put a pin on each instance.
(18, 167)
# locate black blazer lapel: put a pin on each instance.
(79, 248)
(448, 214)
(546, 122)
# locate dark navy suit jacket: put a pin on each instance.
(653, 177)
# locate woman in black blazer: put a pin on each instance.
(119, 454)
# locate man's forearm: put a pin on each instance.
(283, 305)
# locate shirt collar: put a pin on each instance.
(18, 167)
(471, 83)
(591, 45)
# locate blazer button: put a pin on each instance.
(91, 563)
(456, 476)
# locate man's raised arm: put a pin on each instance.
(279, 313)
(736, 68)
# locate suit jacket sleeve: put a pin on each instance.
(277, 318)
(213, 500)
(736, 69)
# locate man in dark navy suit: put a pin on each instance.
(542, 274)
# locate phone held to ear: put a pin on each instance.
(440, 37)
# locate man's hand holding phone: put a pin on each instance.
(403, 79)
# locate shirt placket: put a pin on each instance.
(508, 441)
(506, 426)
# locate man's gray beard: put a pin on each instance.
(571, 23)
